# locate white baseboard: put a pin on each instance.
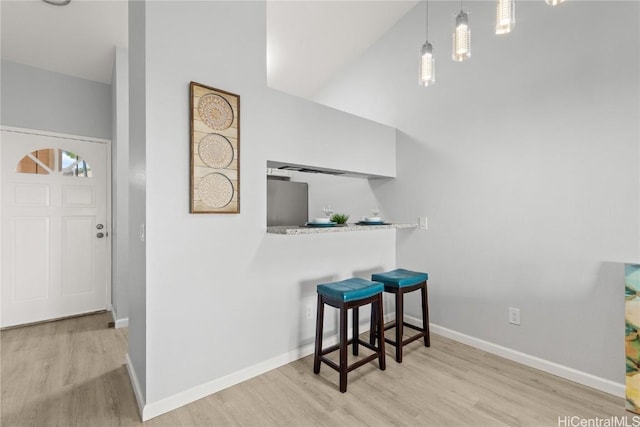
(170, 403)
(118, 323)
(584, 378)
(137, 390)
(154, 409)
(122, 323)
(177, 400)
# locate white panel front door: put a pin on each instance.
(54, 227)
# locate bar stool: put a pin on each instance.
(401, 282)
(343, 295)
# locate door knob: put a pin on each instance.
(100, 235)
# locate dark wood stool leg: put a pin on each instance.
(356, 329)
(319, 322)
(399, 324)
(380, 332)
(343, 349)
(373, 325)
(425, 316)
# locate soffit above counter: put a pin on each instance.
(285, 166)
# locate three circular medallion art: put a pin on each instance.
(215, 189)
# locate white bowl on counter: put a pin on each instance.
(372, 219)
(320, 220)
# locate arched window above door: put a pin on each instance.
(54, 161)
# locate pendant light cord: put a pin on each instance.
(427, 20)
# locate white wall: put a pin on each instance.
(34, 98)
(137, 291)
(525, 161)
(221, 295)
(120, 186)
(346, 195)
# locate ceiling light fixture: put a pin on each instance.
(57, 2)
(427, 61)
(461, 36)
(554, 2)
(505, 16)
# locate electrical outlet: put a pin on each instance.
(514, 316)
(309, 311)
(424, 224)
(142, 233)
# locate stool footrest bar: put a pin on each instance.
(415, 328)
(330, 363)
(413, 338)
(361, 362)
(337, 347)
(366, 344)
(351, 367)
(330, 349)
(389, 325)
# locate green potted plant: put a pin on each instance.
(339, 218)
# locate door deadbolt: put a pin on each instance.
(99, 226)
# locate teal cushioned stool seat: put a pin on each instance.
(344, 295)
(400, 277)
(350, 289)
(400, 282)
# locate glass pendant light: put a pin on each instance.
(461, 37)
(505, 16)
(554, 2)
(427, 65)
(427, 61)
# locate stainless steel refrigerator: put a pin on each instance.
(287, 202)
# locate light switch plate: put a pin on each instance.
(423, 223)
(514, 316)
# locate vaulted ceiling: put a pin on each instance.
(77, 39)
(307, 41)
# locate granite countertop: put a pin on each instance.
(296, 229)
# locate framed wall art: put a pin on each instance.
(215, 150)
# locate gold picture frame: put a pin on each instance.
(215, 150)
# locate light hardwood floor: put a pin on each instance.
(71, 373)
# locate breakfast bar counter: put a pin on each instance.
(296, 229)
